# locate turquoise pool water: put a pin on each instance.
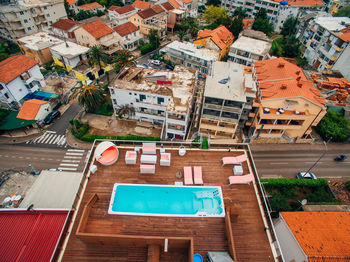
(159, 200)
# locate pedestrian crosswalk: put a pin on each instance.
(72, 160)
(50, 138)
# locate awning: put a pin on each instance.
(11, 122)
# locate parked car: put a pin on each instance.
(143, 66)
(156, 62)
(152, 55)
(169, 67)
(340, 158)
(304, 175)
(50, 117)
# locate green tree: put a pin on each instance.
(345, 11)
(291, 47)
(213, 2)
(123, 58)
(334, 125)
(91, 97)
(201, 8)
(114, 2)
(99, 13)
(240, 12)
(81, 2)
(69, 11)
(236, 26)
(181, 35)
(126, 110)
(98, 56)
(263, 25)
(213, 13)
(289, 27)
(3, 56)
(193, 30)
(153, 37)
(262, 13)
(81, 15)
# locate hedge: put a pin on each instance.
(147, 48)
(347, 185)
(290, 183)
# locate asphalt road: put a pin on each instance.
(60, 125)
(289, 161)
(42, 158)
(145, 60)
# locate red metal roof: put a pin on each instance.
(30, 235)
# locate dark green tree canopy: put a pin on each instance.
(263, 25)
(214, 2)
(345, 11)
(240, 11)
(289, 26)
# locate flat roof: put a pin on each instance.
(30, 235)
(333, 23)
(192, 50)
(252, 45)
(70, 49)
(39, 41)
(53, 189)
(180, 90)
(231, 75)
(208, 233)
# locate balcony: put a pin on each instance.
(231, 109)
(150, 115)
(333, 58)
(177, 117)
(328, 66)
(338, 49)
(212, 106)
(177, 127)
(280, 127)
(251, 114)
(287, 115)
(226, 129)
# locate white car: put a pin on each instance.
(156, 62)
(304, 175)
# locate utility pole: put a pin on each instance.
(318, 160)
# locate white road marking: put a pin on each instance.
(279, 163)
(74, 154)
(71, 161)
(68, 168)
(73, 157)
(76, 150)
(63, 164)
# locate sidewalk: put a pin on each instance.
(20, 138)
(284, 147)
(75, 143)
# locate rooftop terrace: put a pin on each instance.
(39, 41)
(96, 235)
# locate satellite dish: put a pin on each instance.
(303, 202)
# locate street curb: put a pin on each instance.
(20, 139)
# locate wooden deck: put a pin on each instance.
(250, 239)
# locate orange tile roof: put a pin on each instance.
(98, 29)
(14, 66)
(141, 5)
(125, 29)
(186, 1)
(70, 2)
(158, 9)
(303, 2)
(324, 236)
(122, 10)
(175, 4)
(247, 23)
(220, 36)
(168, 6)
(147, 13)
(30, 109)
(90, 6)
(65, 24)
(346, 34)
(279, 78)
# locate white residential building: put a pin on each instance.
(69, 55)
(228, 98)
(191, 55)
(19, 76)
(160, 97)
(120, 15)
(326, 41)
(128, 35)
(246, 50)
(19, 18)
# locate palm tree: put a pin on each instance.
(124, 58)
(89, 96)
(98, 55)
(126, 110)
(181, 34)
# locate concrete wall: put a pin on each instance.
(84, 38)
(291, 250)
(44, 110)
(342, 64)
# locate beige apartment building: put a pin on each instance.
(151, 18)
(21, 18)
(287, 105)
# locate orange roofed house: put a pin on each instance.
(314, 236)
(34, 109)
(92, 7)
(19, 76)
(151, 18)
(219, 39)
(120, 15)
(128, 35)
(287, 104)
(97, 33)
(141, 5)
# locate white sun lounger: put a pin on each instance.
(246, 179)
(198, 179)
(188, 180)
(234, 160)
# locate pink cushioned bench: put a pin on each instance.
(234, 160)
(246, 179)
(147, 169)
(198, 180)
(188, 175)
(149, 148)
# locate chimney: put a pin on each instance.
(298, 72)
(300, 84)
(298, 78)
(280, 65)
(283, 86)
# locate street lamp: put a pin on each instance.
(318, 160)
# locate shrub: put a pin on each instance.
(347, 185)
(278, 202)
(147, 48)
(320, 195)
(186, 38)
(291, 183)
(334, 125)
(76, 124)
(3, 113)
(205, 144)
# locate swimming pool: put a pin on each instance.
(166, 200)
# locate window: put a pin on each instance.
(6, 95)
(21, 13)
(29, 28)
(45, 7)
(142, 97)
(160, 100)
(25, 21)
(48, 15)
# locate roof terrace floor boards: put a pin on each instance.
(251, 241)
